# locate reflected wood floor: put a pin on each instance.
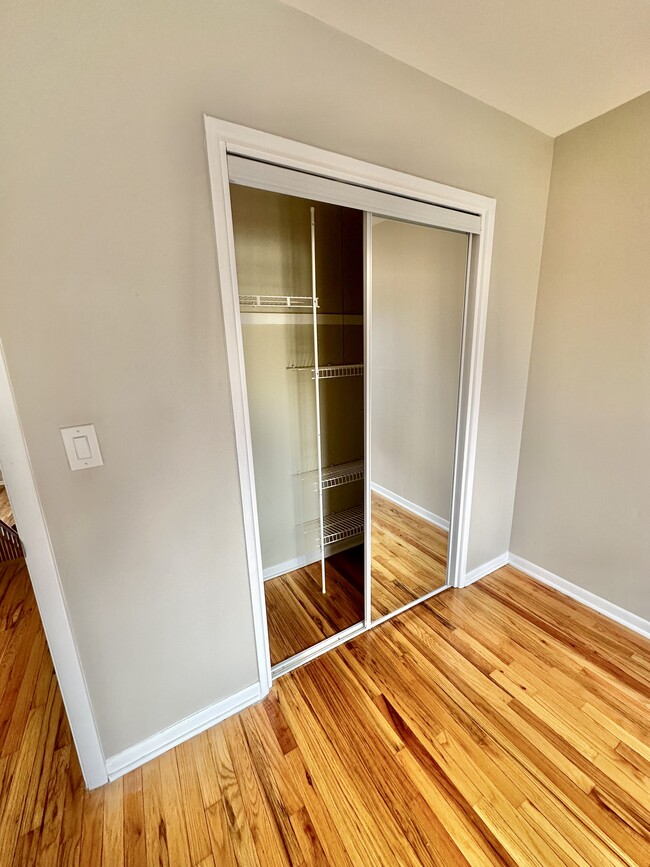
(409, 560)
(300, 615)
(501, 724)
(409, 557)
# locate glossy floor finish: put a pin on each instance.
(409, 557)
(409, 560)
(299, 614)
(501, 724)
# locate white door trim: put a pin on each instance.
(479, 263)
(44, 574)
(224, 138)
(226, 266)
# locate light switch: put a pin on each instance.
(81, 447)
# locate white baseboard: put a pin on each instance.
(432, 518)
(603, 606)
(289, 566)
(308, 559)
(486, 568)
(149, 748)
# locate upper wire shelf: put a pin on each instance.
(293, 301)
(332, 371)
(335, 475)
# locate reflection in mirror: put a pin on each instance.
(309, 465)
(418, 288)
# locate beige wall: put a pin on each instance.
(418, 287)
(110, 312)
(583, 495)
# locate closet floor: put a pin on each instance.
(300, 615)
(409, 557)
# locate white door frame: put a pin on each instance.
(224, 138)
(44, 574)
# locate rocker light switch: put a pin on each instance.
(81, 447)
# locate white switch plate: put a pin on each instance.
(82, 447)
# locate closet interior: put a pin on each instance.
(300, 274)
(351, 325)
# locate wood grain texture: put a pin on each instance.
(300, 615)
(500, 724)
(409, 557)
(409, 560)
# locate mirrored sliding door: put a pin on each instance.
(300, 280)
(417, 287)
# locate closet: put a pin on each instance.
(300, 277)
(354, 303)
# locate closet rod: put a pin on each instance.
(317, 386)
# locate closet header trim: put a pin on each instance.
(266, 176)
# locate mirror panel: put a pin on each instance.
(418, 289)
(309, 598)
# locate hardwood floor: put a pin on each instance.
(6, 513)
(299, 615)
(409, 557)
(409, 560)
(501, 724)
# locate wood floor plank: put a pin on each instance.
(92, 828)
(498, 725)
(113, 825)
(409, 561)
(271, 830)
(135, 841)
(222, 840)
(231, 805)
(296, 598)
(172, 807)
(70, 843)
(48, 850)
(198, 835)
(409, 556)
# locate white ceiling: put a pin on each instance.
(553, 64)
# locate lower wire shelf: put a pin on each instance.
(339, 525)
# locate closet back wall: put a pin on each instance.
(110, 309)
(273, 253)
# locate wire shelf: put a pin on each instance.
(300, 301)
(335, 475)
(339, 525)
(333, 371)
